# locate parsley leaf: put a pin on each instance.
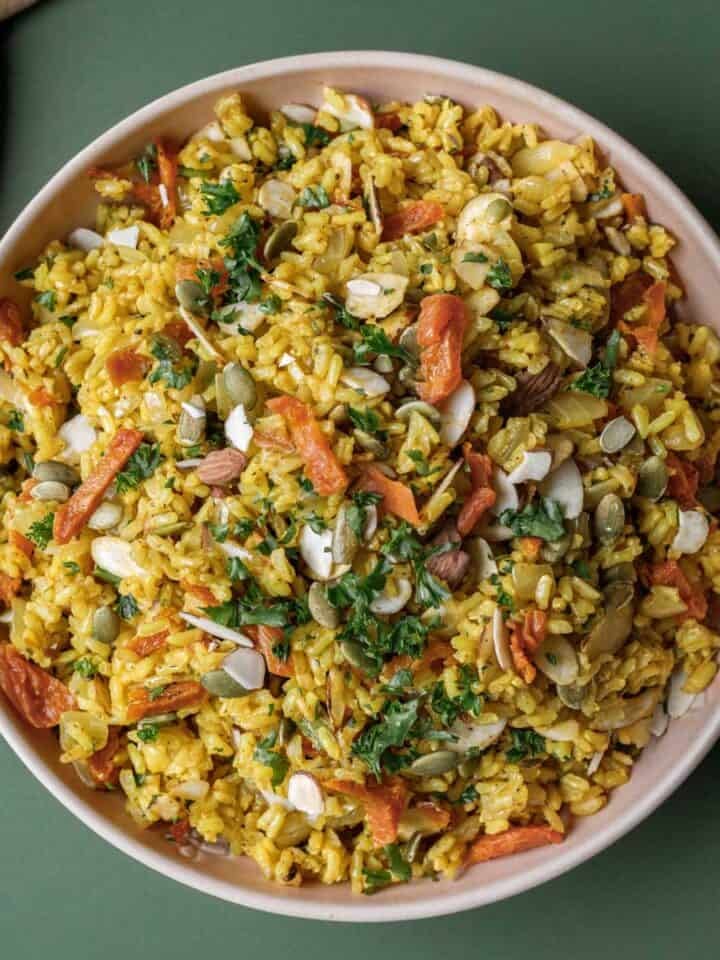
(422, 467)
(236, 569)
(376, 341)
(242, 265)
(404, 545)
(314, 197)
(218, 196)
(126, 606)
(271, 758)
(357, 511)
(141, 465)
(48, 299)
(499, 275)
(447, 708)
(148, 732)
(604, 193)
(315, 136)
(271, 305)
(16, 421)
(542, 519)
(503, 318)
(72, 568)
(478, 257)
(391, 730)
(41, 532)
(595, 380)
(100, 574)
(375, 880)
(399, 682)
(27, 273)
(525, 743)
(156, 692)
(399, 867)
(342, 314)
(85, 668)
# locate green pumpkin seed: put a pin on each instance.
(191, 429)
(621, 573)
(572, 695)
(53, 470)
(406, 410)
(105, 625)
(408, 340)
(168, 529)
(344, 541)
(652, 479)
(222, 398)
(433, 764)
(191, 296)
(205, 374)
(321, 610)
(552, 551)
(609, 518)
(498, 210)
(280, 239)
(221, 684)
(240, 386)
(107, 516)
(612, 628)
(50, 490)
(354, 654)
(383, 364)
(616, 435)
(167, 346)
(158, 720)
(370, 443)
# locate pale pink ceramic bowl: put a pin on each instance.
(67, 201)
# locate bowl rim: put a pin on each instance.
(356, 909)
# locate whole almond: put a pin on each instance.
(221, 466)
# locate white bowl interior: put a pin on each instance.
(67, 201)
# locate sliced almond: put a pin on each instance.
(375, 294)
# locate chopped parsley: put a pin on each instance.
(366, 419)
(503, 597)
(357, 511)
(422, 467)
(503, 318)
(146, 163)
(375, 880)
(542, 518)
(141, 465)
(271, 758)
(376, 341)
(399, 682)
(219, 531)
(101, 574)
(47, 299)
(581, 569)
(126, 606)
(85, 668)
(165, 352)
(27, 273)
(525, 744)
(218, 197)
(72, 568)
(314, 197)
(68, 320)
(315, 136)
(41, 532)
(595, 380)
(60, 356)
(342, 314)
(271, 305)
(447, 708)
(391, 730)
(399, 870)
(469, 795)
(16, 421)
(148, 732)
(241, 263)
(306, 484)
(156, 692)
(604, 193)
(236, 570)
(478, 257)
(499, 275)
(403, 544)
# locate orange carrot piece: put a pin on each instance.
(530, 547)
(188, 270)
(397, 498)
(437, 651)
(126, 366)
(9, 588)
(321, 465)
(384, 805)
(265, 638)
(669, 574)
(37, 696)
(482, 496)
(525, 640)
(683, 481)
(441, 328)
(416, 217)
(176, 696)
(143, 646)
(74, 514)
(266, 438)
(647, 333)
(100, 764)
(167, 171)
(21, 542)
(633, 205)
(514, 840)
(11, 324)
(628, 294)
(40, 397)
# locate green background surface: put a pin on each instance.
(69, 69)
